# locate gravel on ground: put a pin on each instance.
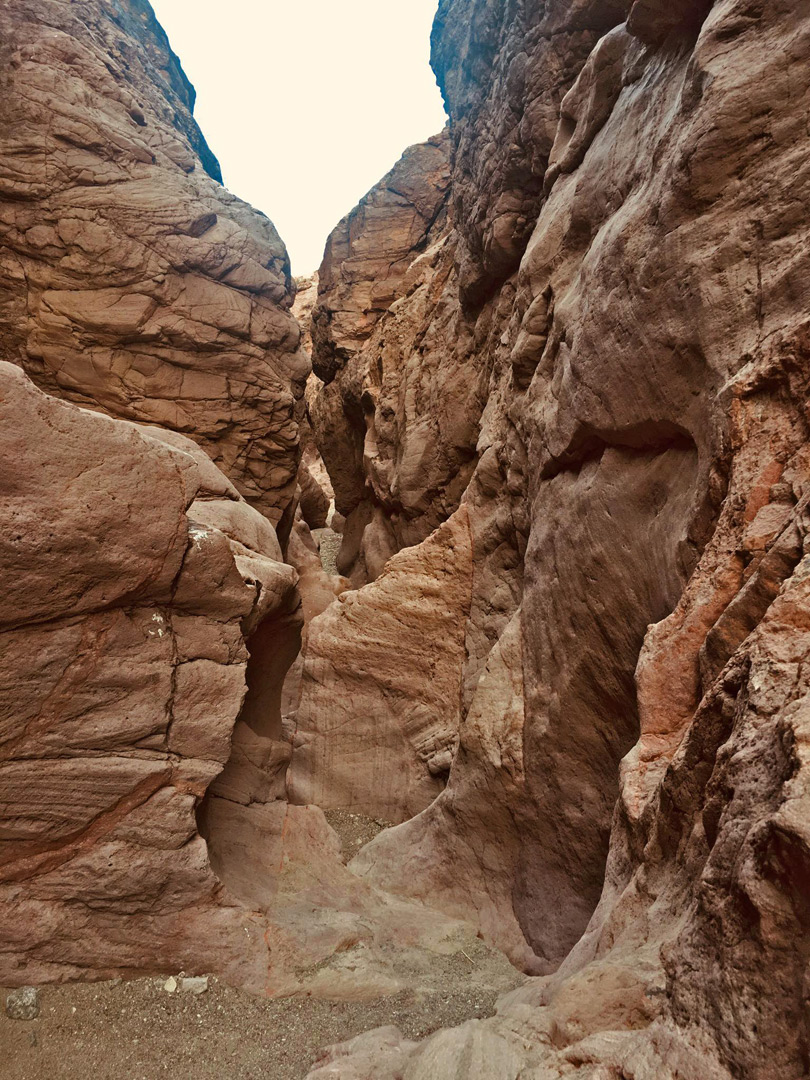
(136, 1030)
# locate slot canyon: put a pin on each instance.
(434, 629)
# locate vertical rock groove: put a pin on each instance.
(615, 306)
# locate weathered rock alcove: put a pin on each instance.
(242, 815)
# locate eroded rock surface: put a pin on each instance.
(397, 421)
(628, 239)
(377, 725)
(149, 618)
(316, 495)
(369, 252)
(133, 282)
(135, 576)
(143, 826)
(565, 362)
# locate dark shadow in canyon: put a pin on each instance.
(242, 815)
(606, 559)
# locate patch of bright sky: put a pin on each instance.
(307, 103)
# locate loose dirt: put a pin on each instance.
(354, 830)
(137, 1031)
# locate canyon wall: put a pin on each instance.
(133, 282)
(563, 362)
(135, 577)
(151, 616)
(152, 390)
(615, 311)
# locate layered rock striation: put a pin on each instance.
(564, 369)
(132, 281)
(151, 617)
(148, 641)
(396, 420)
(148, 625)
(141, 592)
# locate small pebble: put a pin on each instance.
(23, 1004)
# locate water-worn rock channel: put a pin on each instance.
(422, 645)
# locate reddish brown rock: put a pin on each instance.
(315, 514)
(123, 673)
(503, 74)
(316, 496)
(397, 422)
(306, 296)
(142, 821)
(577, 397)
(133, 282)
(625, 809)
(377, 724)
(142, 817)
(368, 254)
(470, 826)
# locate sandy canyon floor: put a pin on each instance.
(137, 1030)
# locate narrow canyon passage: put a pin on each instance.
(420, 646)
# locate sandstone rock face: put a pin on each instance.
(150, 619)
(143, 646)
(316, 495)
(315, 514)
(132, 281)
(368, 254)
(135, 578)
(504, 70)
(377, 725)
(306, 296)
(625, 813)
(397, 421)
(565, 363)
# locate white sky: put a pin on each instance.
(307, 103)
